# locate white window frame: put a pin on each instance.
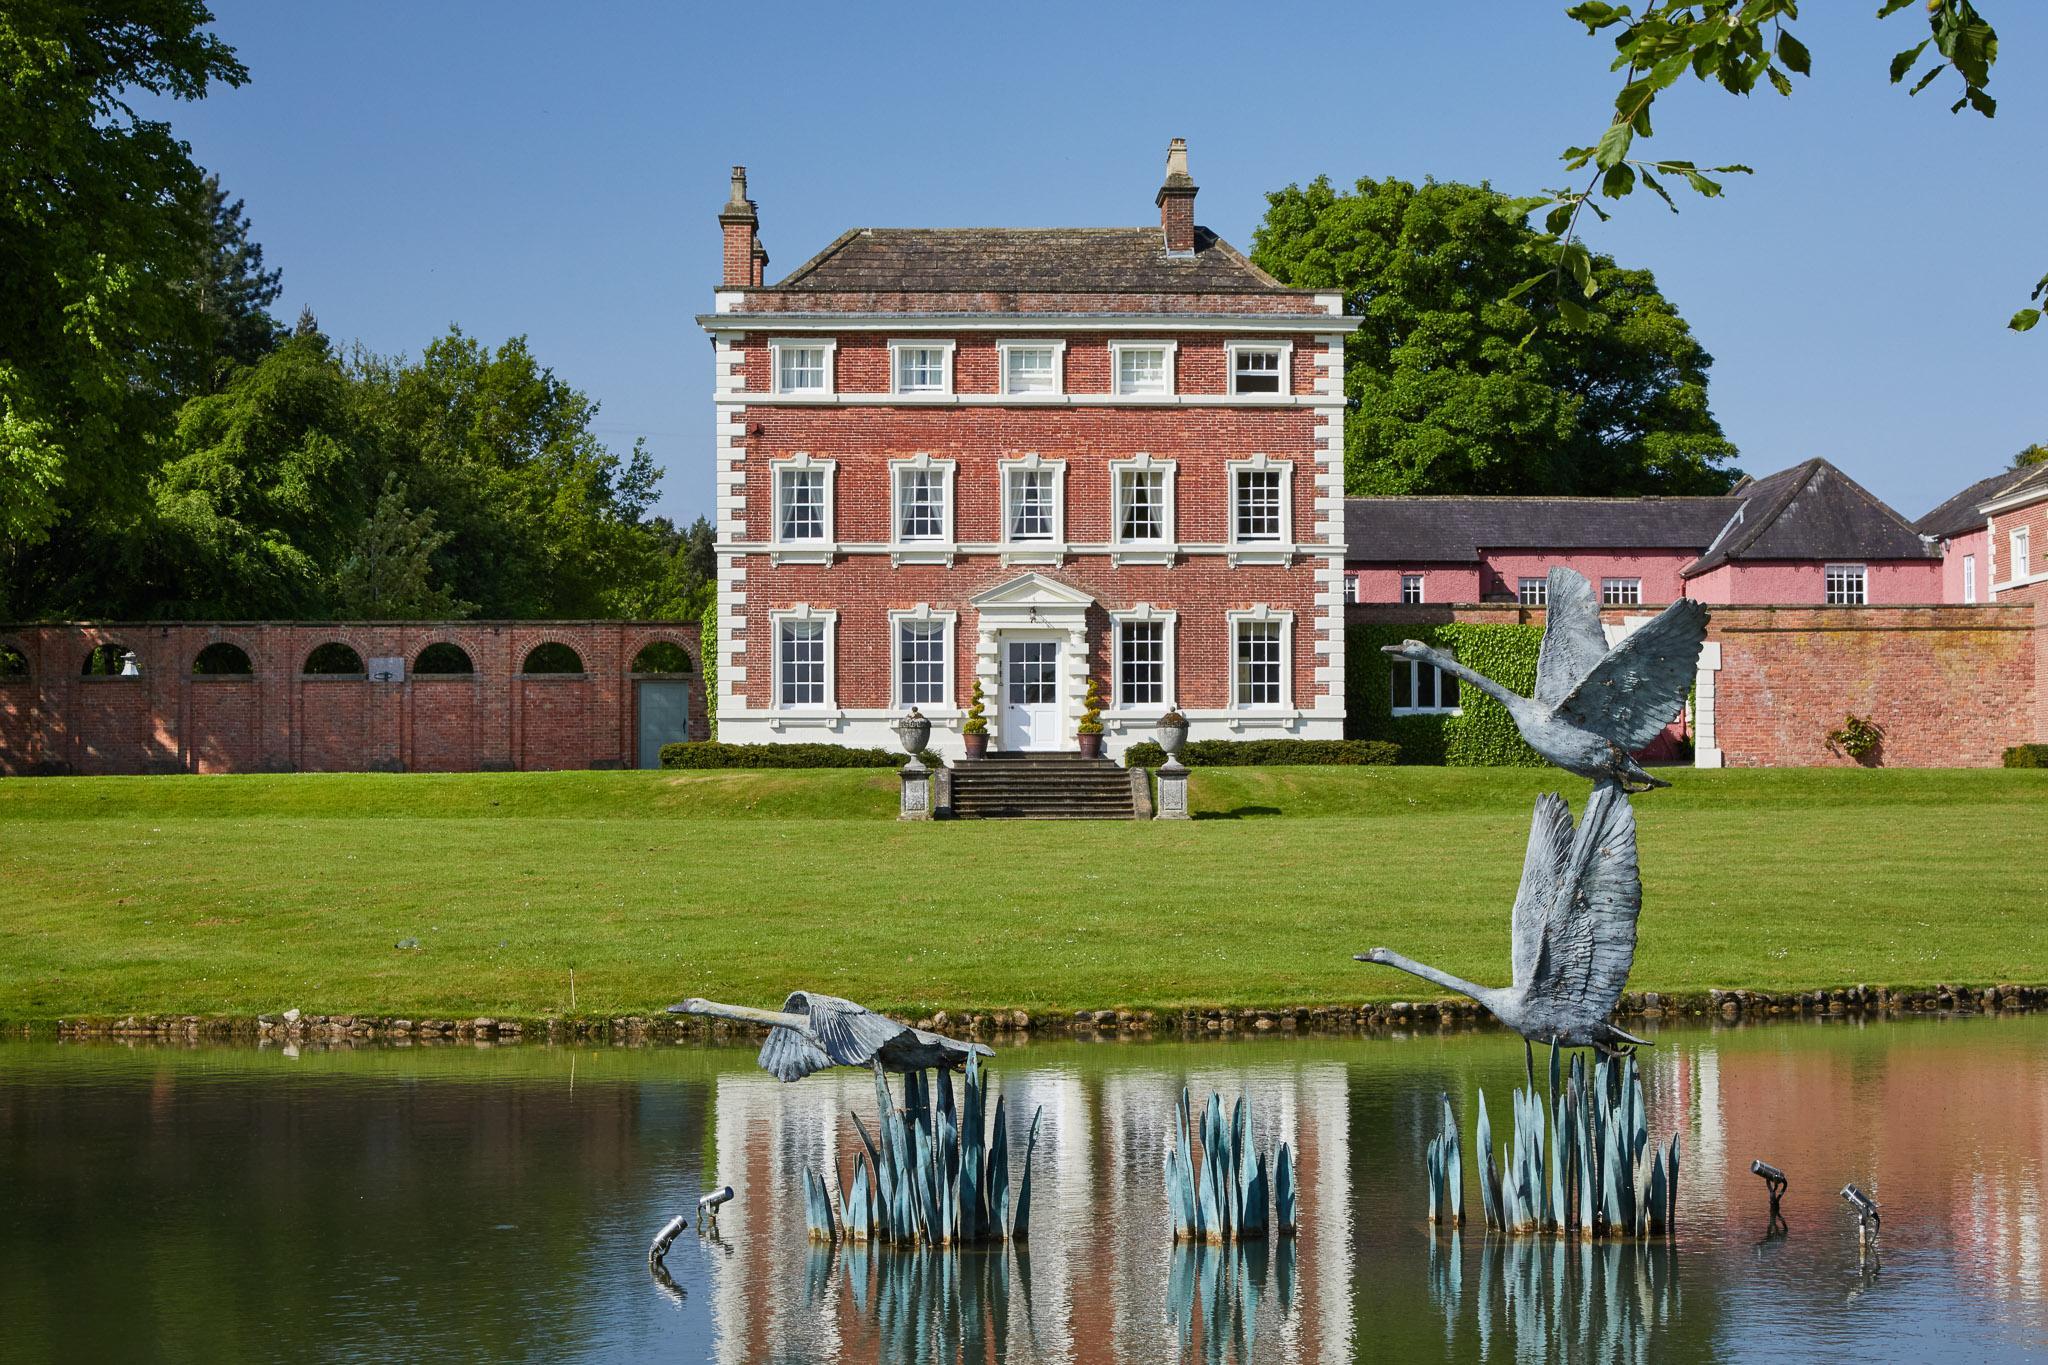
(1059, 368)
(1413, 665)
(1263, 615)
(1050, 547)
(1277, 549)
(1138, 551)
(1354, 586)
(922, 613)
(777, 345)
(1609, 587)
(896, 350)
(1143, 613)
(939, 549)
(1970, 579)
(2020, 544)
(818, 550)
(1167, 367)
(803, 613)
(1827, 592)
(1231, 351)
(1532, 592)
(1421, 582)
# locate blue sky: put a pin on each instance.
(502, 166)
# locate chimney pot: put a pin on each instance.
(740, 224)
(1176, 201)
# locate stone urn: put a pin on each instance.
(1171, 730)
(915, 732)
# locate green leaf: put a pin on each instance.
(1977, 100)
(1573, 313)
(2025, 319)
(1928, 79)
(1903, 63)
(1779, 80)
(1594, 15)
(1671, 68)
(1619, 181)
(1558, 219)
(1577, 262)
(1650, 183)
(1794, 55)
(1614, 145)
(1524, 287)
(1891, 7)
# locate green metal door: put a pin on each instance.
(664, 718)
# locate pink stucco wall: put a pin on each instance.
(1890, 583)
(1972, 545)
(1381, 583)
(1501, 570)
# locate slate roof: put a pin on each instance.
(1453, 530)
(1035, 260)
(1812, 511)
(1959, 514)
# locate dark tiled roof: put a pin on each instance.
(1454, 530)
(1048, 260)
(1959, 513)
(2033, 481)
(1812, 511)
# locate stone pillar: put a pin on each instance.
(1173, 791)
(917, 792)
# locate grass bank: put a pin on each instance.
(239, 895)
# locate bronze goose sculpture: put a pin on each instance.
(812, 1032)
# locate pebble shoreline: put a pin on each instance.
(291, 1026)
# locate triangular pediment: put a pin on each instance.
(1032, 590)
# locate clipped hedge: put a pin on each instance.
(1484, 736)
(1258, 753)
(2027, 756)
(711, 754)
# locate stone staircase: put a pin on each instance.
(1046, 786)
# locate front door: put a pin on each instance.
(1031, 693)
(664, 718)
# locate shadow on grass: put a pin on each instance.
(1236, 812)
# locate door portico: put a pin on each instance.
(1031, 658)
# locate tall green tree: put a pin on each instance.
(235, 291)
(1457, 388)
(389, 572)
(99, 227)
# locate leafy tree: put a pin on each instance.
(235, 291)
(2034, 454)
(98, 228)
(1457, 389)
(388, 575)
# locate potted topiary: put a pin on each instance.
(1089, 731)
(1172, 729)
(974, 730)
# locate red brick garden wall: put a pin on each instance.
(278, 719)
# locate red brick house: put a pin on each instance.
(1024, 458)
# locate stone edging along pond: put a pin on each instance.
(291, 1026)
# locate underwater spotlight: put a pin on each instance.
(1867, 1220)
(1774, 1181)
(707, 1207)
(664, 1238)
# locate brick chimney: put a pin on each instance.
(1177, 201)
(744, 255)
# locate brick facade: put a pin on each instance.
(280, 719)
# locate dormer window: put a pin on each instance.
(922, 367)
(1259, 366)
(1031, 367)
(1143, 367)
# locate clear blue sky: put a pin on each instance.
(555, 170)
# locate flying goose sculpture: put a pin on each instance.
(1573, 929)
(812, 1032)
(1594, 706)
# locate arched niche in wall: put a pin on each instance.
(662, 656)
(334, 660)
(552, 657)
(443, 659)
(112, 660)
(222, 660)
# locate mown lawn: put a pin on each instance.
(248, 894)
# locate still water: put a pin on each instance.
(462, 1204)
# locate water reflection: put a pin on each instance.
(443, 1204)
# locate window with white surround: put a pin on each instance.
(2022, 554)
(1258, 644)
(1847, 585)
(1411, 589)
(1142, 367)
(922, 366)
(1031, 367)
(1031, 498)
(803, 664)
(1422, 689)
(921, 661)
(1969, 578)
(802, 366)
(1353, 588)
(1143, 502)
(1141, 662)
(1533, 592)
(1621, 592)
(1259, 366)
(1258, 497)
(803, 501)
(921, 496)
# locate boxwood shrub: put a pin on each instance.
(2027, 756)
(711, 754)
(1250, 753)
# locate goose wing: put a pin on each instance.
(1635, 690)
(1574, 642)
(1589, 938)
(1550, 842)
(850, 1034)
(790, 1056)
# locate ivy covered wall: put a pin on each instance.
(708, 634)
(1484, 736)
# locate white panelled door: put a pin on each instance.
(1031, 693)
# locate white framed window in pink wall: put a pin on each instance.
(1411, 589)
(1848, 585)
(1533, 592)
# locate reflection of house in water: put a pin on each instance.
(1092, 1283)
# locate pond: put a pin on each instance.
(490, 1204)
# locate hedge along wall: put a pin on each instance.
(708, 650)
(1485, 735)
